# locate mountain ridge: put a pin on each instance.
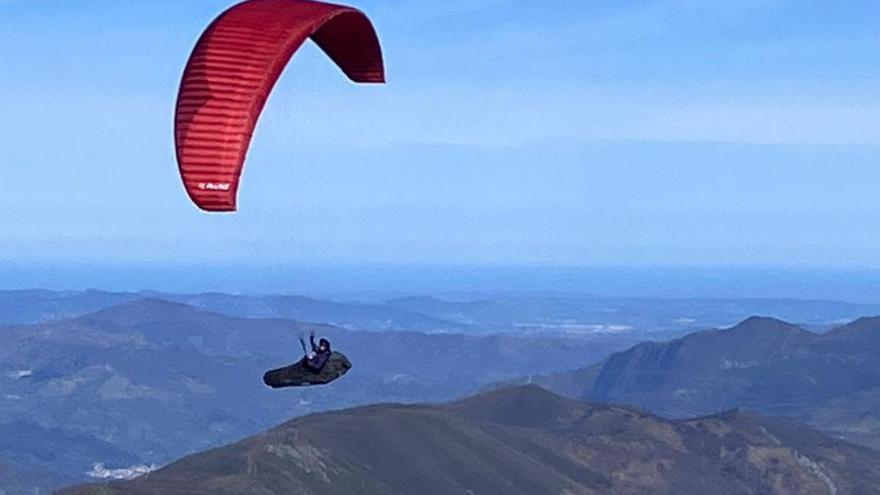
(831, 381)
(579, 448)
(148, 381)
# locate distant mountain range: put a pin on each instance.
(150, 380)
(130, 379)
(525, 315)
(660, 316)
(40, 306)
(518, 441)
(830, 381)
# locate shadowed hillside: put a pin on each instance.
(831, 381)
(518, 441)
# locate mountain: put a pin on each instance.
(39, 306)
(350, 315)
(830, 381)
(518, 441)
(150, 380)
(608, 317)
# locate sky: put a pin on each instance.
(629, 133)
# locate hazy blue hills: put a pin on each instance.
(622, 314)
(503, 314)
(140, 379)
(150, 380)
(38, 306)
(830, 381)
(518, 441)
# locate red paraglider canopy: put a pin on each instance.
(231, 72)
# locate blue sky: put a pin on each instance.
(603, 133)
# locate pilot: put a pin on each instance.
(316, 359)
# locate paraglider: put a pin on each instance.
(232, 71)
(319, 366)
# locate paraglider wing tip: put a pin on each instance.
(219, 210)
(211, 208)
(376, 78)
